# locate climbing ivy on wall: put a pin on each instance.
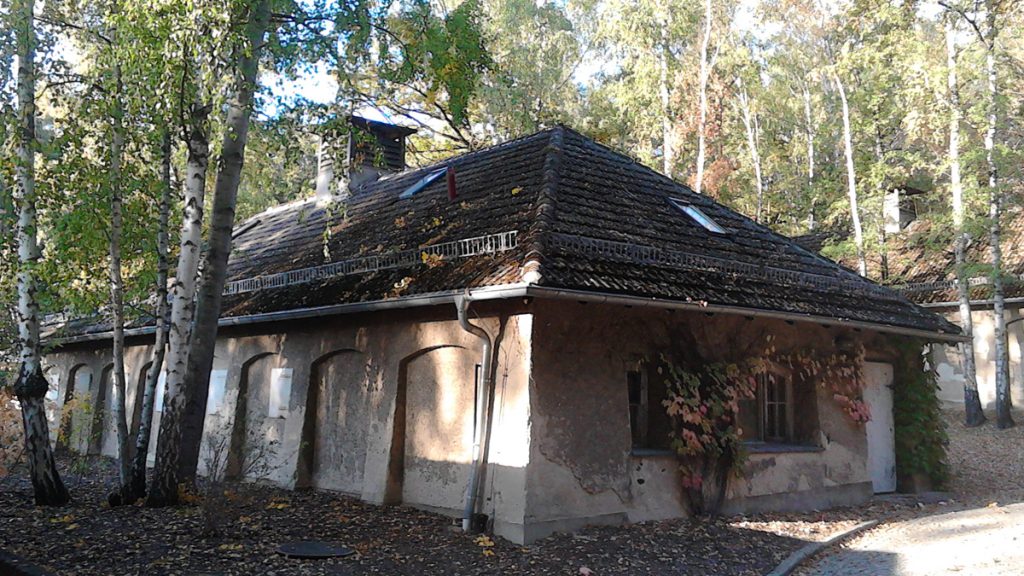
(920, 434)
(703, 405)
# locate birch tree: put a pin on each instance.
(989, 39)
(752, 128)
(30, 386)
(211, 288)
(973, 414)
(705, 72)
(137, 484)
(851, 177)
(192, 341)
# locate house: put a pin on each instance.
(517, 298)
(927, 275)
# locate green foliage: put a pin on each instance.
(920, 433)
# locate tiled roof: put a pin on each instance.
(561, 192)
(922, 262)
(586, 217)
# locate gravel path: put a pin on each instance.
(983, 537)
(983, 541)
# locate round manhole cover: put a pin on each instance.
(313, 549)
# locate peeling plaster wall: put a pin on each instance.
(582, 469)
(948, 360)
(356, 364)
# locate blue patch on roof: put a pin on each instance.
(422, 183)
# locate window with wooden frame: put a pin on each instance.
(649, 424)
(768, 416)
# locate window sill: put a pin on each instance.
(651, 452)
(779, 448)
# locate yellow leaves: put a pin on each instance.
(67, 519)
(517, 190)
(278, 505)
(432, 260)
(486, 543)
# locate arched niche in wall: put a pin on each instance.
(77, 388)
(431, 445)
(100, 410)
(140, 390)
(332, 452)
(248, 446)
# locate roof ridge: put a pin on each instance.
(544, 212)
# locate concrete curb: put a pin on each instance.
(18, 566)
(786, 567)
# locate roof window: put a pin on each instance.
(697, 215)
(422, 183)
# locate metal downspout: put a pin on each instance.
(483, 386)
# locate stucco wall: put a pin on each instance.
(582, 469)
(948, 359)
(350, 370)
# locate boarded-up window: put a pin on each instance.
(280, 392)
(215, 399)
(649, 424)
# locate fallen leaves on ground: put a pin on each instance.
(392, 540)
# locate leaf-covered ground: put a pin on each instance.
(88, 537)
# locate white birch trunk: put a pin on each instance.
(30, 386)
(117, 283)
(667, 146)
(1003, 417)
(138, 481)
(851, 181)
(810, 133)
(751, 125)
(211, 289)
(973, 414)
(164, 486)
(705, 72)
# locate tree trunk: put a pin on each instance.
(751, 126)
(137, 486)
(705, 72)
(117, 285)
(973, 414)
(211, 289)
(809, 128)
(30, 386)
(1003, 417)
(851, 180)
(667, 148)
(163, 488)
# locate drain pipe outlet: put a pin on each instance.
(483, 387)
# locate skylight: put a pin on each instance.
(697, 215)
(422, 183)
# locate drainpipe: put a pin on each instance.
(462, 305)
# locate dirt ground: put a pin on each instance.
(90, 538)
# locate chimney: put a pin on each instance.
(372, 149)
(324, 171)
(375, 149)
(898, 209)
